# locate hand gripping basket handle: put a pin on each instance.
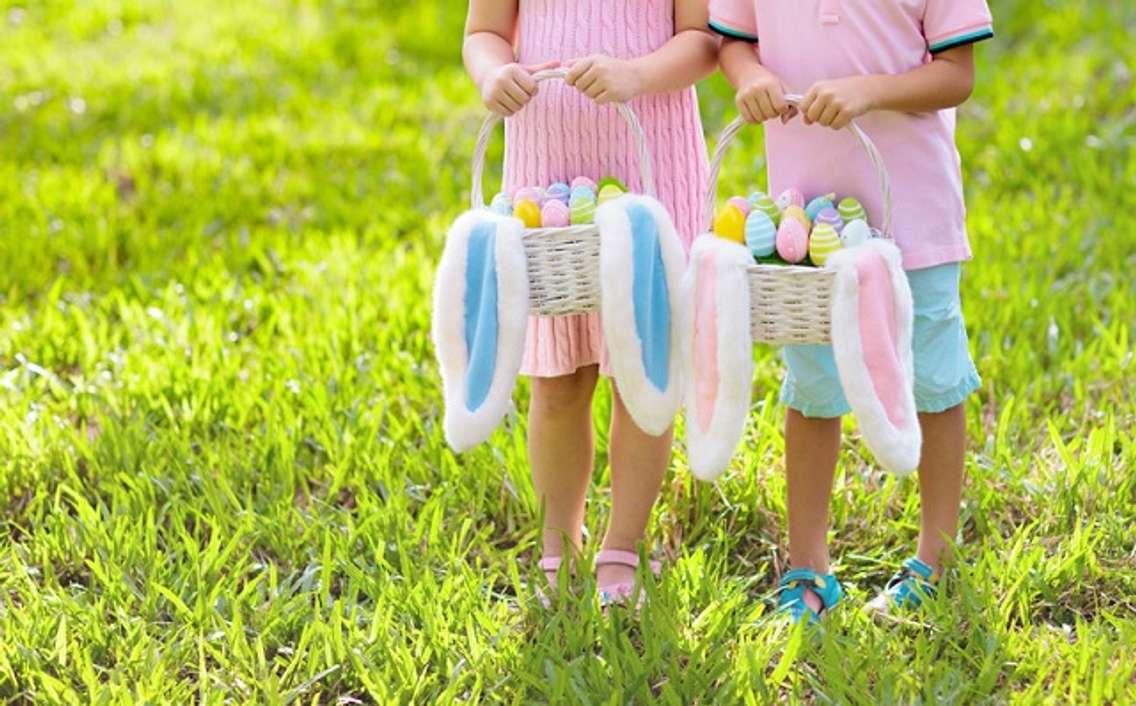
(646, 175)
(727, 137)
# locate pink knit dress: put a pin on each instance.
(562, 134)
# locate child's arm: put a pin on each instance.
(505, 85)
(761, 95)
(944, 83)
(691, 54)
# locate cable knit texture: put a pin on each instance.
(561, 134)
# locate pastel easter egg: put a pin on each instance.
(741, 203)
(855, 233)
(823, 242)
(529, 193)
(609, 192)
(613, 182)
(559, 191)
(730, 224)
(554, 214)
(528, 212)
(819, 204)
(501, 204)
(768, 206)
(585, 182)
(851, 209)
(760, 234)
(831, 217)
(794, 211)
(792, 241)
(755, 197)
(582, 192)
(791, 197)
(582, 211)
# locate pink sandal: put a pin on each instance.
(619, 592)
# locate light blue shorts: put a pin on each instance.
(944, 371)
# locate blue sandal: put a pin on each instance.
(792, 586)
(907, 589)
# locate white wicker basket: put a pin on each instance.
(790, 304)
(563, 263)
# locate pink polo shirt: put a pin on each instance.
(804, 41)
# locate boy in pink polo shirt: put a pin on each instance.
(899, 68)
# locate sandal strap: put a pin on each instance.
(826, 586)
(607, 557)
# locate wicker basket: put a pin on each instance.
(563, 263)
(790, 304)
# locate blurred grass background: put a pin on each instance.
(221, 461)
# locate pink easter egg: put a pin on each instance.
(792, 241)
(554, 214)
(584, 181)
(742, 204)
(791, 197)
(530, 193)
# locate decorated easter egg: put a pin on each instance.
(741, 203)
(613, 181)
(582, 192)
(730, 224)
(609, 192)
(855, 233)
(501, 204)
(554, 214)
(528, 212)
(792, 241)
(851, 209)
(760, 234)
(529, 193)
(585, 182)
(766, 204)
(819, 204)
(831, 217)
(755, 197)
(823, 242)
(559, 191)
(791, 197)
(794, 211)
(582, 210)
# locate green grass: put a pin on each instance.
(221, 464)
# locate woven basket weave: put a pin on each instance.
(791, 304)
(563, 263)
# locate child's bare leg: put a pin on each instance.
(811, 449)
(638, 464)
(561, 452)
(940, 481)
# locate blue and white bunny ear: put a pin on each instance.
(718, 353)
(481, 307)
(641, 265)
(872, 321)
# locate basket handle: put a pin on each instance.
(646, 174)
(727, 137)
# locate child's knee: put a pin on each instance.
(564, 394)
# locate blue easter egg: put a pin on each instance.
(817, 205)
(755, 197)
(760, 233)
(502, 205)
(559, 191)
(582, 192)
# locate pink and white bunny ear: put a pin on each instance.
(481, 307)
(641, 266)
(718, 353)
(872, 320)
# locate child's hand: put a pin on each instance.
(510, 87)
(605, 79)
(837, 102)
(763, 99)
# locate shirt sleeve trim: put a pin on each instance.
(727, 31)
(961, 39)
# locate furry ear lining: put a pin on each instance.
(717, 353)
(872, 322)
(481, 307)
(641, 266)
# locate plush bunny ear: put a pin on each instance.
(641, 267)
(717, 352)
(481, 307)
(872, 320)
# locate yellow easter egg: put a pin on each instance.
(794, 211)
(730, 224)
(528, 212)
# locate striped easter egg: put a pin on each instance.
(582, 211)
(609, 192)
(850, 209)
(760, 234)
(831, 217)
(819, 204)
(823, 242)
(560, 192)
(767, 205)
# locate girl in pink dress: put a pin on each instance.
(648, 53)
